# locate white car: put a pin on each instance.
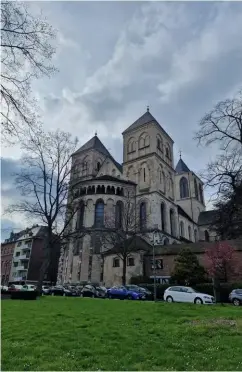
(28, 287)
(187, 294)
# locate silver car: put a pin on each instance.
(236, 297)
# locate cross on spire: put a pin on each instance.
(148, 108)
(180, 153)
(95, 133)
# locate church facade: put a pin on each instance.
(168, 197)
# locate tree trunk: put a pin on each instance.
(124, 270)
(46, 260)
(216, 289)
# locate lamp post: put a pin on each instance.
(154, 271)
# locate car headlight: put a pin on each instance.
(207, 297)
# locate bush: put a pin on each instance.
(24, 295)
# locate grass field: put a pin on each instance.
(88, 334)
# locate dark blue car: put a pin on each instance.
(123, 293)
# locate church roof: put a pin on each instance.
(181, 167)
(207, 217)
(95, 144)
(144, 119)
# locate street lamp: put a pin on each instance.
(154, 271)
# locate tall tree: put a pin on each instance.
(124, 229)
(187, 270)
(26, 53)
(223, 124)
(45, 182)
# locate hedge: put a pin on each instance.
(224, 290)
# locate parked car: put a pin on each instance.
(29, 287)
(236, 297)
(15, 287)
(4, 288)
(123, 293)
(59, 290)
(46, 290)
(148, 294)
(93, 291)
(187, 294)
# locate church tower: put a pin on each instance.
(189, 191)
(148, 161)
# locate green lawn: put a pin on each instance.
(90, 334)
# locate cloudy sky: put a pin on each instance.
(115, 58)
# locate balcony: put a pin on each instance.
(23, 257)
(19, 278)
(21, 268)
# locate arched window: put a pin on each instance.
(182, 229)
(113, 172)
(189, 233)
(201, 192)
(99, 213)
(206, 235)
(164, 181)
(141, 142)
(131, 145)
(159, 143)
(166, 241)
(118, 214)
(80, 216)
(142, 216)
(98, 166)
(144, 140)
(184, 193)
(162, 213)
(195, 235)
(147, 140)
(195, 189)
(172, 222)
(168, 152)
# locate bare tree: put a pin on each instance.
(26, 52)
(123, 229)
(224, 174)
(223, 124)
(46, 185)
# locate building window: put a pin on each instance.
(172, 222)
(182, 229)
(118, 214)
(189, 233)
(130, 261)
(19, 244)
(164, 181)
(195, 189)
(142, 216)
(98, 166)
(201, 193)
(207, 238)
(184, 193)
(99, 214)
(162, 213)
(168, 152)
(80, 216)
(166, 241)
(15, 264)
(195, 235)
(116, 262)
(17, 254)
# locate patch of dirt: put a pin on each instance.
(219, 321)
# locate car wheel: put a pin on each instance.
(198, 301)
(236, 302)
(169, 299)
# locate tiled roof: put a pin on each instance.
(95, 144)
(181, 167)
(144, 119)
(183, 213)
(207, 217)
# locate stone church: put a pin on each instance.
(169, 196)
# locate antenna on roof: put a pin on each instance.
(148, 108)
